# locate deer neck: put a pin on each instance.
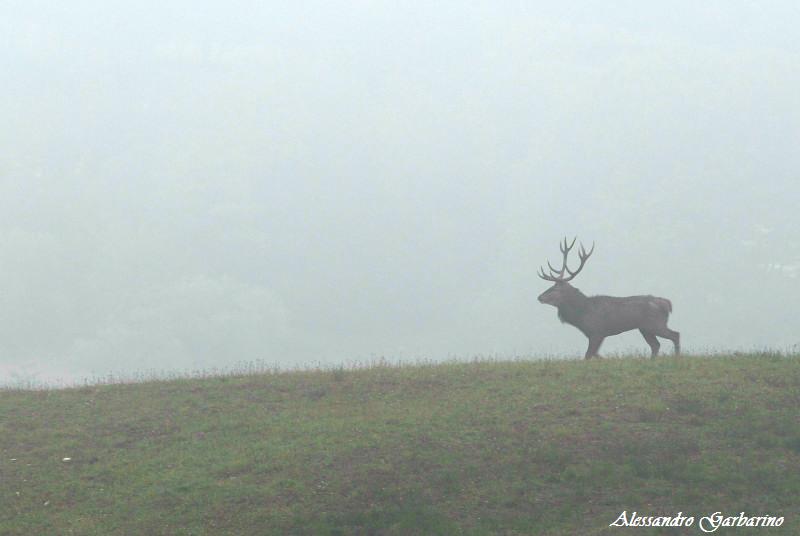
(573, 308)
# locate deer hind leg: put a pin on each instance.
(672, 335)
(652, 341)
(594, 346)
(676, 340)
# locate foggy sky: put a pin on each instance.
(190, 185)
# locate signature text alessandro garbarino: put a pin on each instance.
(708, 523)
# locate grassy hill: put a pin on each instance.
(555, 447)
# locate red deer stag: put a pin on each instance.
(599, 317)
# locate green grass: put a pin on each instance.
(553, 447)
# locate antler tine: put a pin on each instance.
(545, 276)
(554, 270)
(583, 256)
(564, 248)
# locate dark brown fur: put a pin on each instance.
(599, 317)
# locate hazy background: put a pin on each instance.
(190, 185)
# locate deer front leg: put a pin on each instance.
(594, 346)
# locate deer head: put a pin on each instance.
(562, 291)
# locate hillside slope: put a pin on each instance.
(551, 447)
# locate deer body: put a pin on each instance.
(599, 317)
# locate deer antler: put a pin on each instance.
(558, 275)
